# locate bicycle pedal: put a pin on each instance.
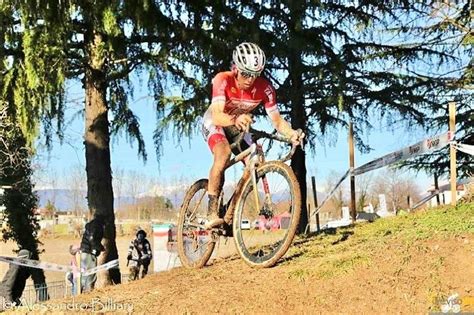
(227, 230)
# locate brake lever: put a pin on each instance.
(301, 136)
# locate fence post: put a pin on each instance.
(452, 152)
(436, 186)
(351, 165)
(308, 213)
(318, 228)
(315, 197)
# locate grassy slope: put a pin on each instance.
(340, 251)
(403, 264)
(355, 242)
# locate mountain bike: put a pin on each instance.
(262, 213)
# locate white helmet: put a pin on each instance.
(249, 57)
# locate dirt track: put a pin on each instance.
(407, 264)
(394, 279)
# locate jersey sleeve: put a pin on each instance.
(269, 100)
(219, 83)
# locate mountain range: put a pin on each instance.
(66, 199)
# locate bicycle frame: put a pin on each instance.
(256, 158)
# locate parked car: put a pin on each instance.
(256, 224)
(245, 224)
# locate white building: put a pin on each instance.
(445, 192)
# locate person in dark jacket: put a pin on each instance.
(14, 281)
(91, 247)
(139, 256)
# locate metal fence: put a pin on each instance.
(52, 290)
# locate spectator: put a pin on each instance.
(74, 276)
(91, 247)
(139, 256)
(14, 281)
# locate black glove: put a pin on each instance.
(129, 257)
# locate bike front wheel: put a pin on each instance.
(264, 229)
(195, 244)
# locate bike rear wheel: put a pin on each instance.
(195, 244)
(274, 221)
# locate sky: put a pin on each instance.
(191, 159)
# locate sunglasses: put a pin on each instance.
(247, 75)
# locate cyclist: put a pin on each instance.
(235, 94)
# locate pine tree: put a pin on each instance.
(332, 62)
(102, 44)
(450, 23)
(19, 200)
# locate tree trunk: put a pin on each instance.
(97, 137)
(298, 114)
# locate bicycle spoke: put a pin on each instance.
(195, 245)
(273, 221)
(192, 215)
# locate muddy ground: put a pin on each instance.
(349, 272)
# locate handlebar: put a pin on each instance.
(258, 134)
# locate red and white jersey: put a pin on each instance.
(237, 101)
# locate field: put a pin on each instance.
(56, 250)
(406, 264)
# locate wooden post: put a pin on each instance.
(351, 165)
(409, 202)
(308, 213)
(315, 197)
(436, 186)
(79, 277)
(452, 152)
(318, 228)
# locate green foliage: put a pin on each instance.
(452, 25)
(55, 36)
(19, 200)
(111, 26)
(332, 59)
(336, 62)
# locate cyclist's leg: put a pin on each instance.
(232, 133)
(221, 153)
(220, 148)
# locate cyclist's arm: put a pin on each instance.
(281, 125)
(219, 118)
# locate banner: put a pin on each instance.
(422, 147)
(466, 148)
(35, 264)
(108, 265)
(55, 267)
